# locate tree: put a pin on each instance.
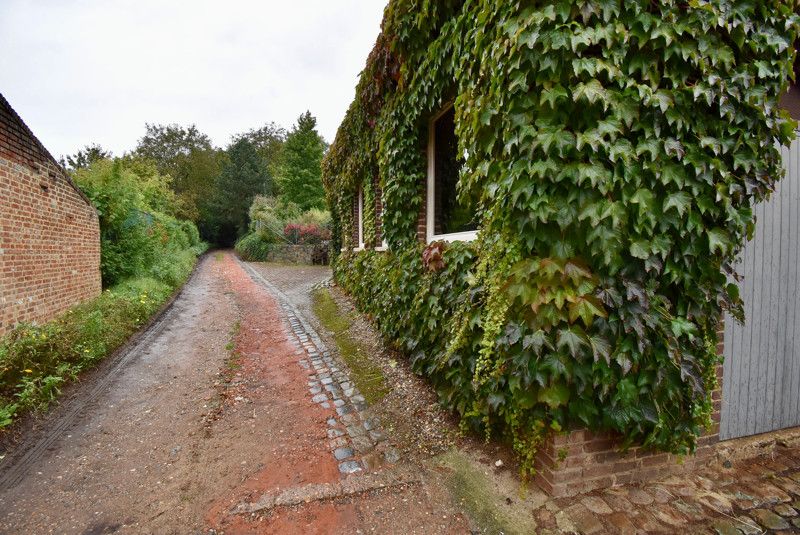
(268, 141)
(243, 177)
(300, 172)
(189, 158)
(85, 157)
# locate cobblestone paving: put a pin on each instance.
(354, 434)
(753, 496)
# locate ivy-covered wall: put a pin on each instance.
(615, 150)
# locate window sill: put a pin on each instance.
(456, 236)
(358, 249)
(382, 248)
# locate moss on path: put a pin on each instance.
(366, 375)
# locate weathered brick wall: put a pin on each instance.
(582, 461)
(49, 232)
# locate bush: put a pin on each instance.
(134, 234)
(298, 234)
(253, 247)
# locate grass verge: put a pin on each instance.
(366, 375)
(475, 491)
(37, 360)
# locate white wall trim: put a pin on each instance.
(430, 197)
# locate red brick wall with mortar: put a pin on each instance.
(376, 187)
(49, 231)
(581, 461)
(354, 230)
(422, 217)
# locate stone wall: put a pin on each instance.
(298, 254)
(49, 231)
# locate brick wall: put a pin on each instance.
(422, 216)
(582, 461)
(354, 229)
(49, 232)
(376, 187)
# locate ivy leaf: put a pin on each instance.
(571, 340)
(587, 308)
(556, 138)
(536, 341)
(495, 400)
(554, 395)
(680, 201)
(719, 240)
(553, 95)
(640, 249)
(592, 91)
(601, 348)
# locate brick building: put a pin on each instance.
(49, 231)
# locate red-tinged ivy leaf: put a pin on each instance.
(570, 339)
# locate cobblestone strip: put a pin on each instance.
(352, 433)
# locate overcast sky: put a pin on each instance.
(94, 71)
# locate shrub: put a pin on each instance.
(299, 234)
(253, 247)
(134, 235)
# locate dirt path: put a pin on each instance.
(211, 426)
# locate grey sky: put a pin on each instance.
(84, 71)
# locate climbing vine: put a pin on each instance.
(615, 151)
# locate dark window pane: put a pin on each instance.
(449, 215)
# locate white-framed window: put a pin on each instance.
(360, 219)
(446, 218)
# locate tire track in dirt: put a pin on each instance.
(31, 451)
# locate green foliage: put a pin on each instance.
(135, 237)
(615, 150)
(187, 156)
(268, 141)
(300, 176)
(85, 157)
(253, 247)
(243, 177)
(36, 360)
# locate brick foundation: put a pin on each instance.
(581, 461)
(49, 231)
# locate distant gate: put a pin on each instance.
(761, 381)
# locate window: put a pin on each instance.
(447, 218)
(360, 220)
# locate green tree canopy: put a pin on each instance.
(186, 155)
(243, 177)
(268, 141)
(85, 157)
(300, 176)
